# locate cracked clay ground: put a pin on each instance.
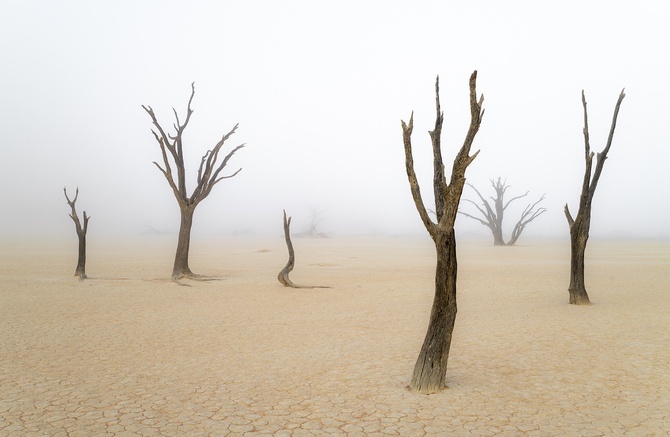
(128, 353)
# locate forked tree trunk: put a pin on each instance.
(581, 224)
(430, 370)
(181, 267)
(80, 271)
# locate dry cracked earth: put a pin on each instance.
(128, 353)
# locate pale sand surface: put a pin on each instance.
(128, 352)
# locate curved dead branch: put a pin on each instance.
(283, 274)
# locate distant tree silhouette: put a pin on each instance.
(493, 216)
(429, 374)
(581, 223)
(209, 174)
(81, 234)
(315, 220)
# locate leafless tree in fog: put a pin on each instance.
(316, 219)
(493, 216)
(580, 225)
(283, 274)
(430, 370)
(81, 234)
(209, 174)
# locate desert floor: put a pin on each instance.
(128, 352)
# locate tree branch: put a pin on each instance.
(439, 179)
(513, 199)
(475, 218)
(488, 214)
(529, 214)
(463, 159)
(602, 156)
(207, 176)
(571, 221)
(411, 175)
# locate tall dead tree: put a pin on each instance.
(493, 216)
(430, 370)
(581, 224)
(209, 174)
(81, 234)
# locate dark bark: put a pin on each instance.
(80, 271)
(181, 267)
(429, 374)
(580, 225)
(430, 370)
(493, 217)
(209, 174)
(283, 274)
(577, 288)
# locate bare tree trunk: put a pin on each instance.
(80, 271)
(577, 289)
(498, 236)
(181, 267)
(283, 275)
(581, 224)
(81, 257)
(430, 370)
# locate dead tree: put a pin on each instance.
(493, 216)
(283, 274)
(209, 174)
(431, 366)
(317, 218)
(81, 234)
(581, 224)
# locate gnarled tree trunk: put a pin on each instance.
(283, 274)
(430, 369)
(581, 224)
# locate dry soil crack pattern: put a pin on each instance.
(246, 356)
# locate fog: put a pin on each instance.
(319, 90)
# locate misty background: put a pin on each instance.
(319, 89)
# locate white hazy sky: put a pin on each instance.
(319, 89)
